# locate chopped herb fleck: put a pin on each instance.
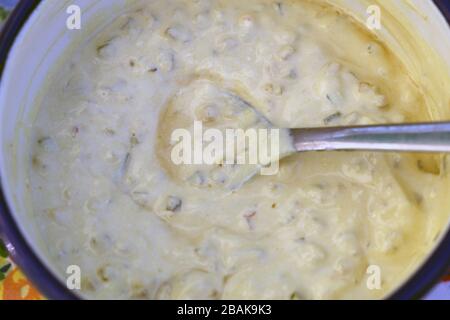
(3, 250)
(101, 273)
(249, 218)
(330, 99)
(125, 164)
(174, 204)
(74, 132)
(43, 140)
(36, 162)
(101, 47)
(134, 141)
(332, 117)
(279, 8)
(295, 296)
(110, 132)
(3, 14)
(5, 268)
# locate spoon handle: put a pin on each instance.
(415, 137)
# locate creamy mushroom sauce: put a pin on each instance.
(108, 199)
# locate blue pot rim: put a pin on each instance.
(416, 286)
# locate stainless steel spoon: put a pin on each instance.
(414, 137)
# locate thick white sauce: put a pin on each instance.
(108, 198)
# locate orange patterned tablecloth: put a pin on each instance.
(13, 284)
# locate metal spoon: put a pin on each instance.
(414, 137)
